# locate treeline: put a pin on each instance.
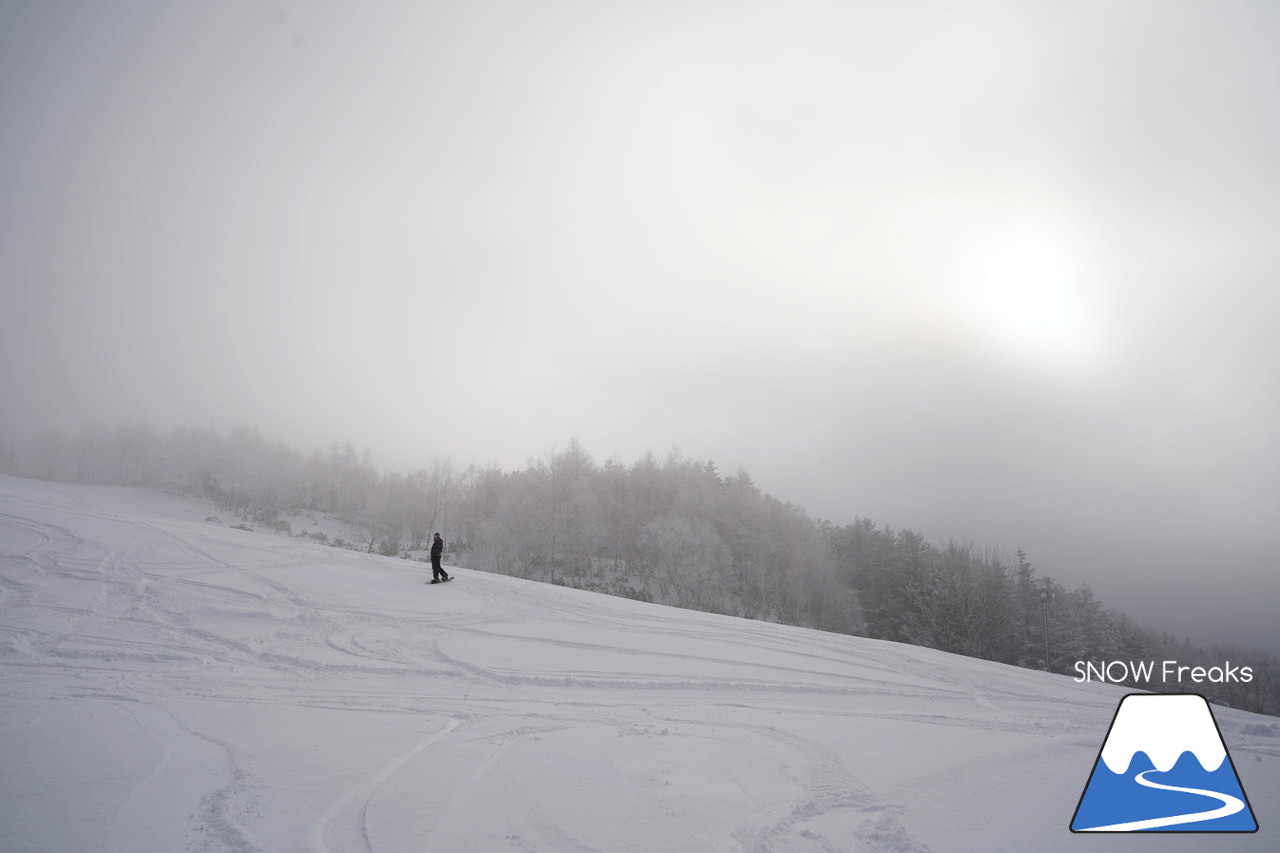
(674, 531)
(974, 602)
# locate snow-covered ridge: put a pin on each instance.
(168, 683)
(1164, 727)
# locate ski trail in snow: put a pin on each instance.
(166, 757)
(1230, 805)
(462, 791)
(354, 805)
(195, 781)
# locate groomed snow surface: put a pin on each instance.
(168, 684)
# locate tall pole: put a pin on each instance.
(1044, 607)
(551, 458)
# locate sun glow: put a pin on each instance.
(1041, 303)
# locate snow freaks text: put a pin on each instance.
(1169, 672)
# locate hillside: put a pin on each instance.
(172, 684)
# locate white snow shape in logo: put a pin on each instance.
(1163, 726)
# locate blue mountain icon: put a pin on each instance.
(1163, 768)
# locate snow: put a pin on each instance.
(172, 684)
(1163, 728)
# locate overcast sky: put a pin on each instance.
(1008, 271)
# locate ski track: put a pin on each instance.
(351, 810)
(169, 791)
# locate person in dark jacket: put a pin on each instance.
(437, 551)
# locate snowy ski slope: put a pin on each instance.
(168, 684)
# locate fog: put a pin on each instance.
(1004, 271)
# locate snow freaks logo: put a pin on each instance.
(1163, 768)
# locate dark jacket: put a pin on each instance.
(437, 548)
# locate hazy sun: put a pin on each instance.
(1041, 304)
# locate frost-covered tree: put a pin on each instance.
(690, 562)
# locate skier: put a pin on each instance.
(438, 575)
